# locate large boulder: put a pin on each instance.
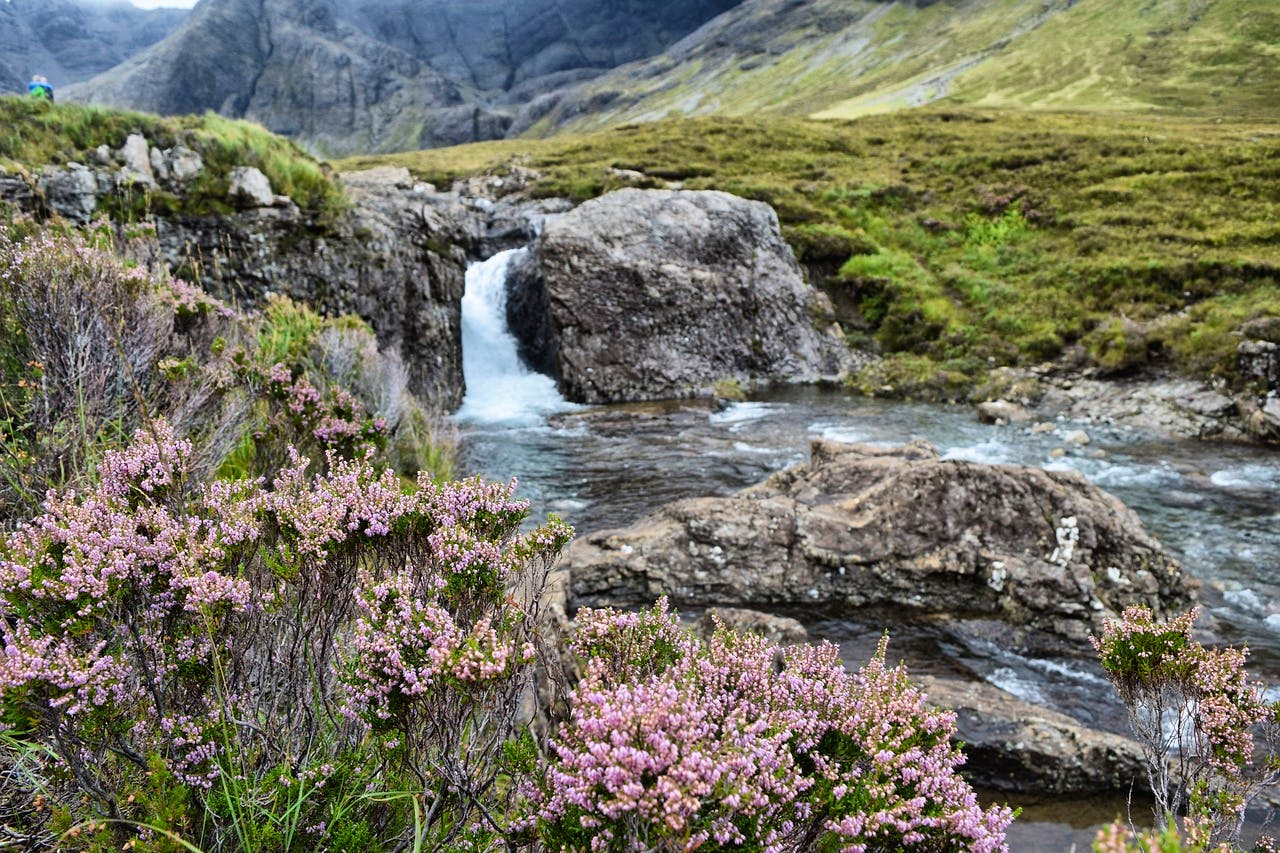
(649, 294)
(1045, 552)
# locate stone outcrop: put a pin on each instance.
(1045, 552)
(1178, 407)
(1015, 746)
(387, 259)
(649, 294)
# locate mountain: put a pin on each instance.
(351, 75)
(72, 40)
(842, 59)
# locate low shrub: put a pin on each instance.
(1209, 736)
(277, 655)
(675, 744)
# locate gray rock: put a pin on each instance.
(72, 193)
(1260, 361)
(1209, 403)
(1177, 407)
(135, 156)
(649, 294)
(1011, 745)
(184, 164)
(1002, 411)
(377, 178)
(1078, 437)
(1265, 420)
(159, 167)
(776, 629)
(250, 188)
(858, 526)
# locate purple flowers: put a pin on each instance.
(1199, 719)
(676, 744)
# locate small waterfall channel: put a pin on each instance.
(500, 389)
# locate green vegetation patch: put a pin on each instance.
(963, 240)
(34, 134)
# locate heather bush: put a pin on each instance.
(675, 744)
(263, 668)
(89, 349)
(92, 348)
(1208, 735)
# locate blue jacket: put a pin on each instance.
(41, 91)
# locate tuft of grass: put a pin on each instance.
(970, 239)
(34, 134)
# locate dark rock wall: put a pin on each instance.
(355, 75)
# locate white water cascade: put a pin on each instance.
(500, 389)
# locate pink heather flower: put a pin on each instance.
(675, 743)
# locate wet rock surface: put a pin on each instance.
(1172, 406)
(1015, 746)
(646, 294)
(1043, 552)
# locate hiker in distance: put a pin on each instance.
(39, 88)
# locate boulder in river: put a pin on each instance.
(1012, 745)
(1044, 552)
(650, 294)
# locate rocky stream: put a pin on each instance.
(1042, 727)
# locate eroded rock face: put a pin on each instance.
(651, 294)
(388, 259)
(382, 261)
(1011, 745)
(1045, 552)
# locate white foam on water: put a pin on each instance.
(743, 447)
(991, 452)
(1251, 477)
(1015, 684)
(500, 389)
(1244, 599)
(742, 412)
(848, 434)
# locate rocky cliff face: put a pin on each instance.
(652, 294)
(72, 40)
(361, 75)
(386, 259)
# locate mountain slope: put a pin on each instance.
(72, 40)
(350, 75)
(838, 59)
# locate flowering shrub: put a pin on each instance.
(335, 632)
(677, 745)
(1208, 735)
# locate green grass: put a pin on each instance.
(965, 239)
(849, 58)
(35, 134)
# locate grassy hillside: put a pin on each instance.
(845, 58)
(34, 134)
(955, 241)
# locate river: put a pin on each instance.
(1215, 507)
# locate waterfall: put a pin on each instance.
(500, 389)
